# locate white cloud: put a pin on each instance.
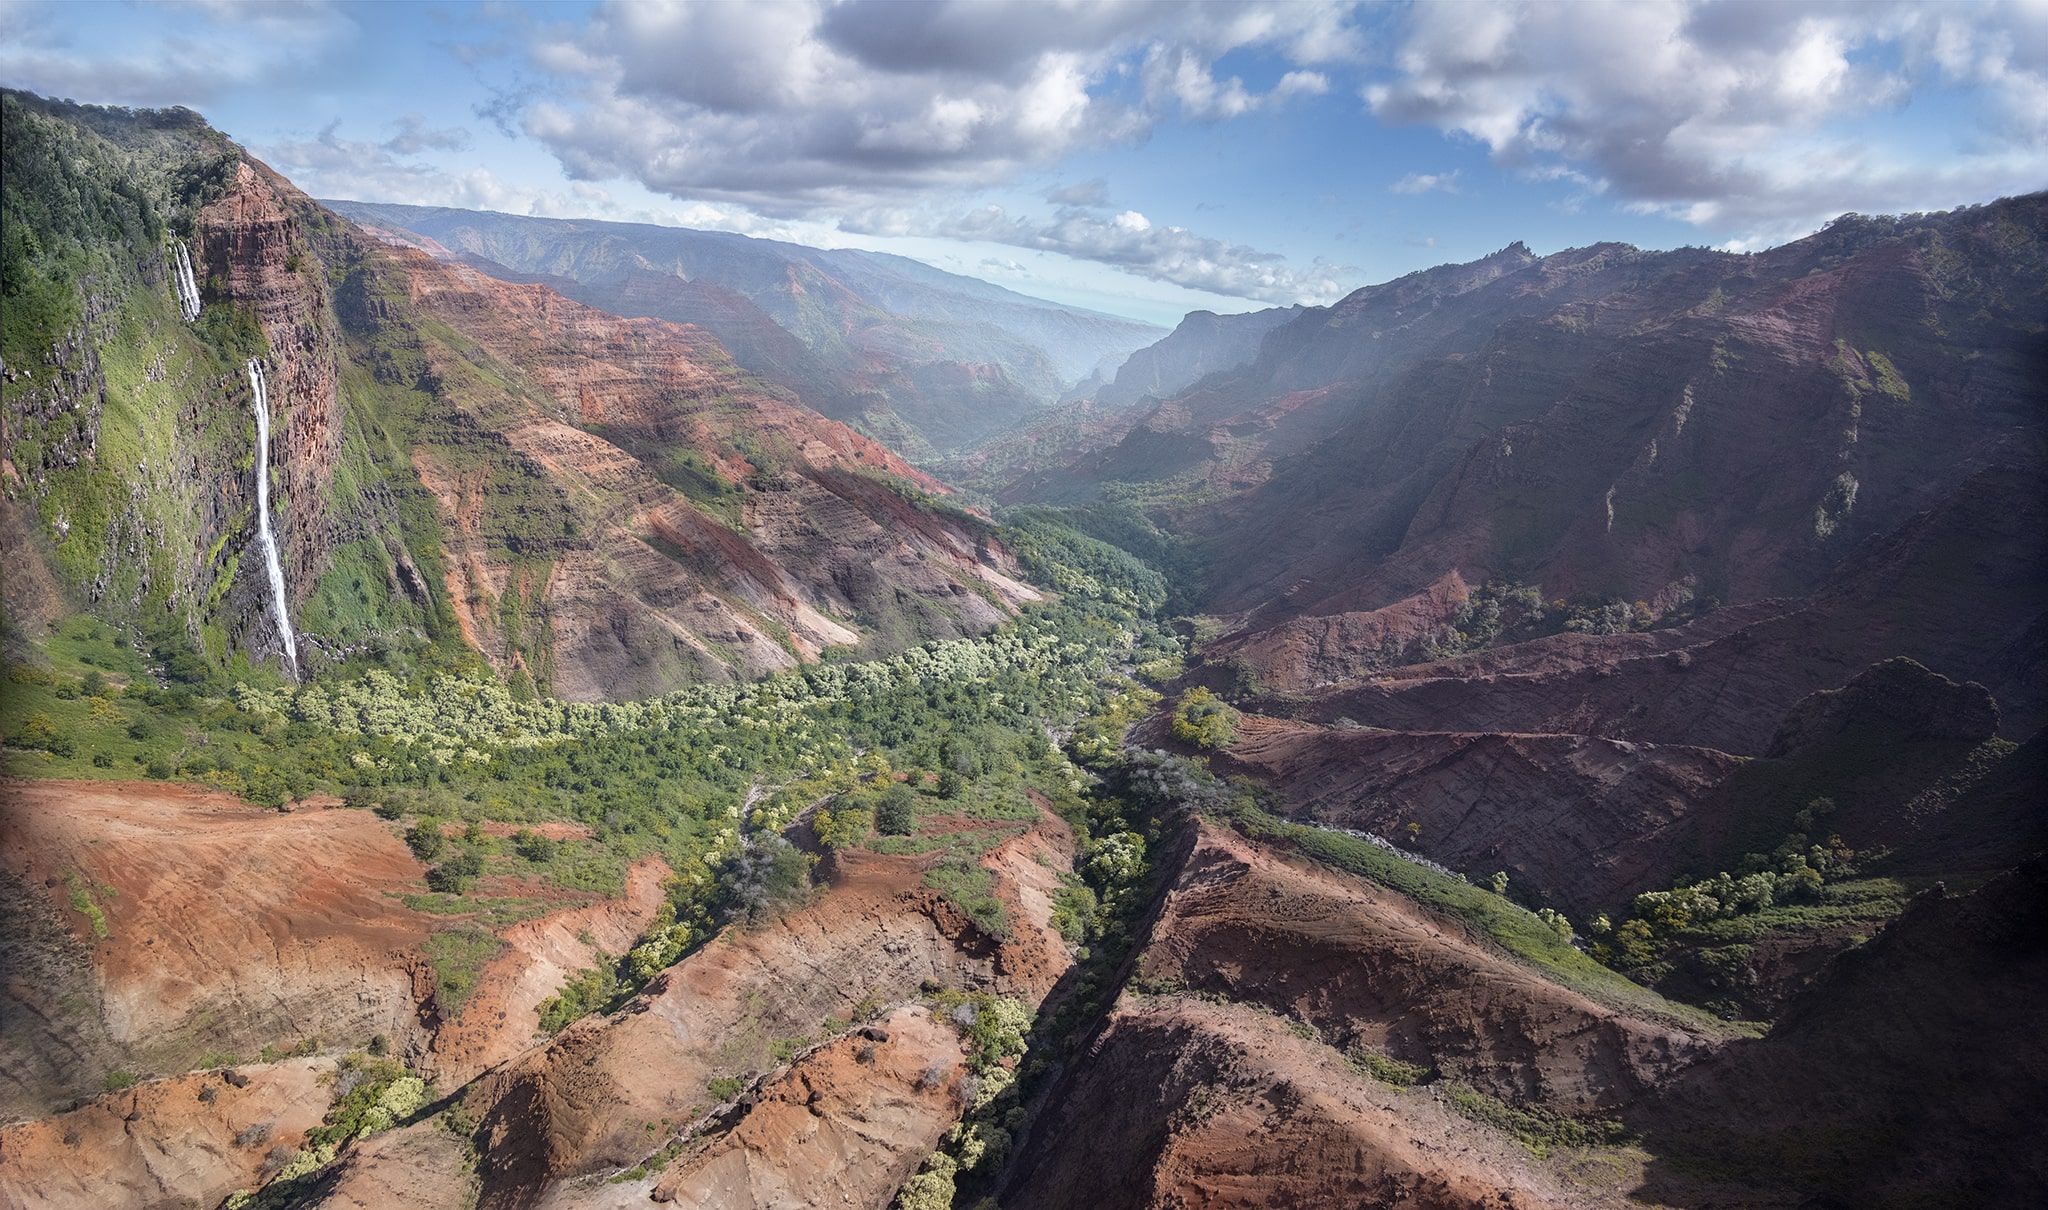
(1131, 242)
(802, 106)
(1751, 118)
(209, 49)
(1424, 182)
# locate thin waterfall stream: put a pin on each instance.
(278, 602)
(187, 287)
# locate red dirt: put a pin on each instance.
(189, 1140)
(845, 1126)
(1368, 967)
(579, 1104)
(229, 927)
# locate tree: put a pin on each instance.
(896, 813)
(425, 840)
(1203, 720)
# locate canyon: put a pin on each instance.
(511, 712)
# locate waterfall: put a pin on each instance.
(278, 603)
(183, 282)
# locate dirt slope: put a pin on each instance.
(1368, 967)
(228, 928)
(1589, 821)
(189, 1140)
(1186, 1104)
(581, 1103)
(846, 1126)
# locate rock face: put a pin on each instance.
(1365, 967)
(718, 530)
(1204, 343)
(578, 1105)
(1897, 695)
(186, 1141)
(226, 929)
(845, 1126)
(1587, 821)
(1183, 1103)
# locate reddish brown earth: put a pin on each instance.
(654, 590)
(229, 928)
(1186, 1104)
(189, 1140)
(424, 1166)
(1367, 967)
(845, 1126)
(581, 1103)
(1590, 821)
(501, 1017)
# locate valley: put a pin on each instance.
(514, 712)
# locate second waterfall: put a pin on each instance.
(279, 604)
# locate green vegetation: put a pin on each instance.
(1520, 932)
(1386, 1070)
(1539, 1130)
(725, 1088)
(590, 990)
(459, 956)
(1203, 721)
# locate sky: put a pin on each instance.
(1145, 159)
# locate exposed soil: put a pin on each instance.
(1588, 821)
(1367, 967)
(189, 1140)
(581, 1104)
(845, 1126)
(1186, 1104)
(228, 928)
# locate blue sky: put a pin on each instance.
(1142, 158)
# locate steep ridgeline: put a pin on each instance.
(1204, 343)
(928, 361)
(607, 507)
(1614, 425)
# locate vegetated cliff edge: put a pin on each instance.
(608, 507)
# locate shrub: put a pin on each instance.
(1203, 720)
(896, 813)
(724, 1088)
(842, 826)
(457, 874)
(534, 847)
(425, 840)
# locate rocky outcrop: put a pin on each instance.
(845, 1126)
(1181, 1103)
(1368, 968)
(189, 1140)
(1898, 696)
(1585, 823)
(1203, 343)
(251, 248)
(579, 1104)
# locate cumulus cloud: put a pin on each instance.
(1738, 117)
(802, 106)
(210, 49)
(1129, 241)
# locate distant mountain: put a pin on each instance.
(1204, 343)
(929, 361)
